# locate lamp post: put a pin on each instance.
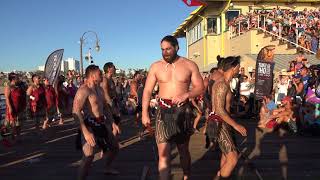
(82, 39)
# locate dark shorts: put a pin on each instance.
(220, 132)
(104, 138)
(174, 124)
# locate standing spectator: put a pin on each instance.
(314, 43)
(62, 98)
(305, 78)
(36, 92)
(282, 86)
(51, 102)
(15, 104)
(245, 87)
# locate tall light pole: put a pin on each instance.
(82, 39)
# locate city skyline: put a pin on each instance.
(129, 32)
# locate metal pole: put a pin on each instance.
(81, 47)
(280, 30)
(89, 54)
(81, 60)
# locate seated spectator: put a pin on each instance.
(268, 105)
(283, 114)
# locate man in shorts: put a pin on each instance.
(221, 101)
(109, 89)
(174, 74)
(97, 132)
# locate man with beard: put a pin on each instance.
(109, 89)
(15, 103)
(97, 132)
(174, 74)
(221, 101)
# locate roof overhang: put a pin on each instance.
(180, 31)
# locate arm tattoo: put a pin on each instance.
(220, 98)
(77, 110)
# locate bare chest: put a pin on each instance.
(173, 74)
(95, 98)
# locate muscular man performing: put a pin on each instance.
(109, 89)
(174, 74)
(97, 132)
(221, 100)
(133, 96)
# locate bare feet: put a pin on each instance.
(45, 124)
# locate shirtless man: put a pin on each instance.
(133, 96)
(97, 132)
(109, 89)
(174, 74)
(216, 75)
(221, 101)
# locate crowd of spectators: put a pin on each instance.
(300, 82)
(301, 27)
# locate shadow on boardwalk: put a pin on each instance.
(52, 155)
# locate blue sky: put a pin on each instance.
(129, 30)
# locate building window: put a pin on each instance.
(213, 25)
(195, 33)
(230, 16)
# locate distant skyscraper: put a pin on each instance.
(64, 66)
(73, 64)
(41, 68)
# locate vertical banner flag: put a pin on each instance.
(193, 2)
(264, 72)
(52, 67)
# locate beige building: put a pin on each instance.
(208, 34)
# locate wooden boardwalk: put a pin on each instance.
(52, 156)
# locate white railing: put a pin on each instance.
(297, 45)
(238, 29)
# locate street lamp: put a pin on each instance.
(82, 39)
